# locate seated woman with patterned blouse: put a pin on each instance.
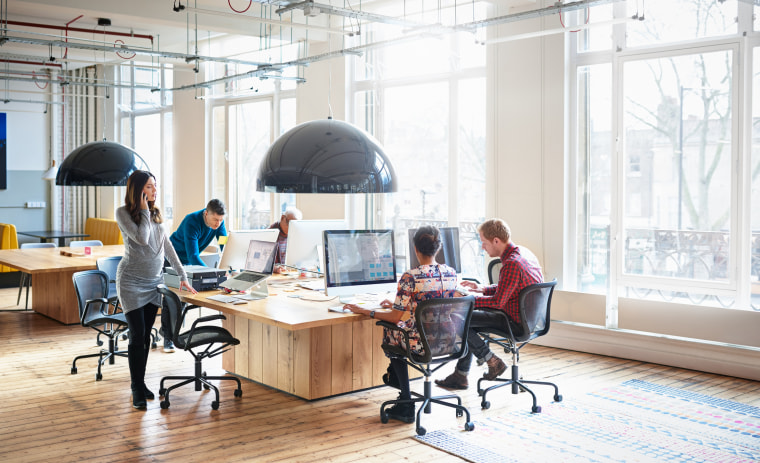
(428, 281)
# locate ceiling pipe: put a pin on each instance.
(80, 29)
(33, 63)
(267, 21)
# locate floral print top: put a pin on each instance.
(419, 284)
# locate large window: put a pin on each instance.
(425, 101)
(660, 166)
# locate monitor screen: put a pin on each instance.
(359, 261)
(260, 257)
(305, 242)
(449, 252)
(236, 249)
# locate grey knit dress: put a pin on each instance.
(141, 268)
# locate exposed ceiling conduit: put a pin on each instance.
(33, 63)
(80, 29)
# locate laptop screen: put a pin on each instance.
(260, 257)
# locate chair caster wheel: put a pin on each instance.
(558, 398)
(536, 409)
(469, 426)
(98, 376)
(238, 393)
(421, 431)
(99, 342)
(153, 345)
(162, 391)
(164, 404)
(215, 405)
(460, 413)
(73, 370)
(383, 417)
(485, 405)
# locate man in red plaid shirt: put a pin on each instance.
(519, 268)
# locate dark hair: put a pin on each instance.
(427, 240)
(216, 206)
(135, 184)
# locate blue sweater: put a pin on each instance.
(192, 236)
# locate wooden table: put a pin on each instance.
(297, 346)
(52, 287)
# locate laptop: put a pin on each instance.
(259, 263)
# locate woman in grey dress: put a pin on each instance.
(140, 271)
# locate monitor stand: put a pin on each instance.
(260, 291)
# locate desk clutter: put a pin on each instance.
(200, 277)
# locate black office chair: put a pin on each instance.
(494, 267)
(535, 309)
(110, 265)
(214, 340)
(26, 278)
(91, 287)
(443, 324)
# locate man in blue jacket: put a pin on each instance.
(196, 231)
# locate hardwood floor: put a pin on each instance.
(47, 414)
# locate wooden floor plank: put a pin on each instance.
(48, 414)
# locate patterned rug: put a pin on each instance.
(636, 421)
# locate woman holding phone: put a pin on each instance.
(140, 271)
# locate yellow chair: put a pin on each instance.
(8, 240)
(105, 230)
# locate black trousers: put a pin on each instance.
(140, 322)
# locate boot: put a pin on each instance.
(455, 380)
(495, 368)
(148, 393)
(136, 357)
(401, 412)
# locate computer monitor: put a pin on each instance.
(449, 252)
(260, 257)
(359, 261)
(236, 249)
(305, 242)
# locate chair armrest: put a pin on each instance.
(393, 327)
(103, 303)
(471, 279)
(207, 318)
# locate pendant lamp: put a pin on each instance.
(99, 163)
(326, 156)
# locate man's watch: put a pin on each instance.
(371, 314)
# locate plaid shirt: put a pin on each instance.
(516, 273)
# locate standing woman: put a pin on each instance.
(140, 271)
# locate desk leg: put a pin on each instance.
(53, 295)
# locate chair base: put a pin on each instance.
(103, 355)
(517, 385)
(427, 400)
(200, 379)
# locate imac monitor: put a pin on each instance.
(305, 242)
(359, 261)
(260, 257)
(236, 249)
(449, 252)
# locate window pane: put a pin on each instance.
(144, 98)
(677, 167)
(594, 177)
(219, 162)
(168, 177)
(287, 114)
(755, 180)
(593, 38)
(249, 139)
(695, 19)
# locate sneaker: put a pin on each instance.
(453, 381)
(401, 412)
(495, 368)
(168, 345)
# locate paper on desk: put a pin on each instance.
(318, 297)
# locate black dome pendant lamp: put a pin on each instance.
(99, 163)
(326, 156)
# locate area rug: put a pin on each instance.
(635, 421)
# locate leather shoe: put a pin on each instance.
(453, 381)
(495, 368)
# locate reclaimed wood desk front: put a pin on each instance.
(297, 346)
(52, 288)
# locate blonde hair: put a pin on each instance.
(495, 228)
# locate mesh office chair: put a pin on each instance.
(91, 287)
(26, 278)
(443, 324)
(213, 340)
(494, 266)
(535, 309)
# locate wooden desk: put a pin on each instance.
(52, 288)
(299, 347)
